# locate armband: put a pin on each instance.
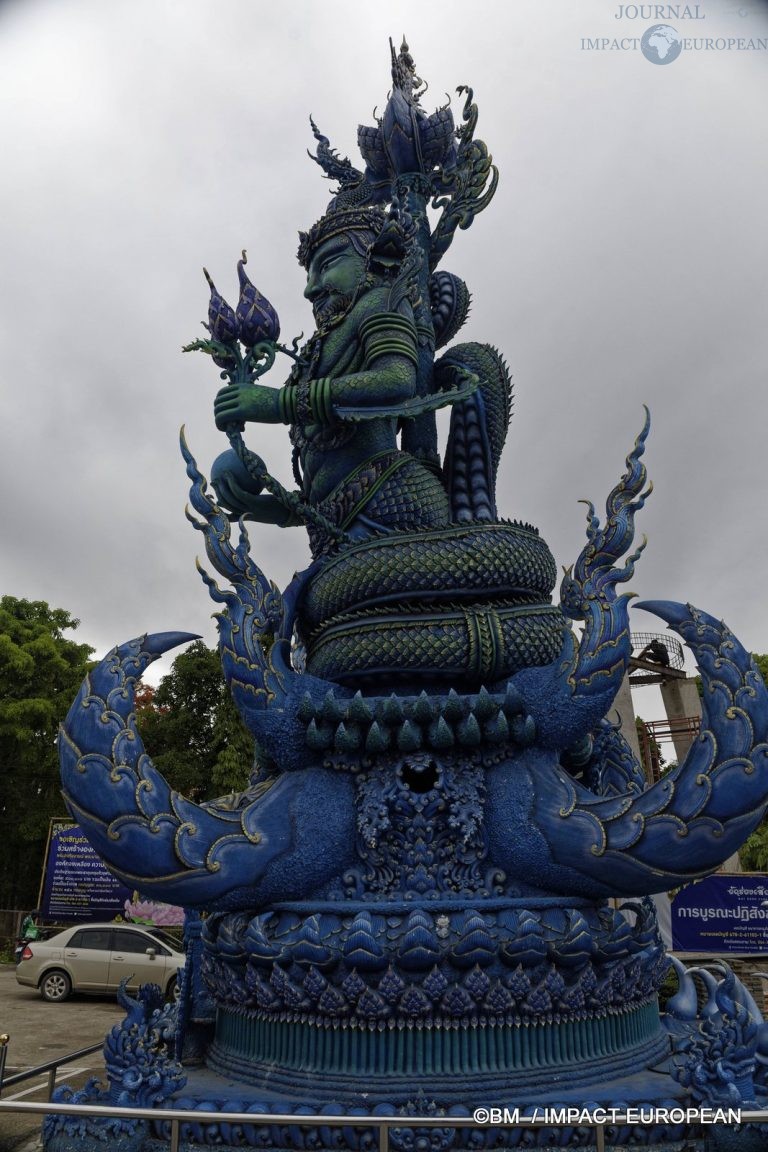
(388, 334)
(307, 403)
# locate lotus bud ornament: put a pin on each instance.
(222, 321)
(222, 324)
(256, 318)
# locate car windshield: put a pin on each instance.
(166, 938)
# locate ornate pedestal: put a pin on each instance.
(456, 1001)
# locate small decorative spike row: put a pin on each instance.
(408, 724)
(388, 334)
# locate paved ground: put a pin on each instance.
(40, 1032)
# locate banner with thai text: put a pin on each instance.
(727, 912)
(77, 886)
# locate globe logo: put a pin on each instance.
(661, 44)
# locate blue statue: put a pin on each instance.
(413, 882)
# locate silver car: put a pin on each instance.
(96, 957)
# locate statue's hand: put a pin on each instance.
(236, 404)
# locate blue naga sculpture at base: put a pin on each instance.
(406, 910)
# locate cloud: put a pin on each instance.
(621, 262)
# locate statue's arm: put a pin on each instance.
(269, 510)
(241, 495)
(386, 381)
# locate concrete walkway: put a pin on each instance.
(40, 1032)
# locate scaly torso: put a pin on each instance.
(330, 452)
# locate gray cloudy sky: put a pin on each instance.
(622, 261)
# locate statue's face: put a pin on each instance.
(334, 273)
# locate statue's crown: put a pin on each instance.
(336, 223)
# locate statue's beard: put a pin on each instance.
(331, 306)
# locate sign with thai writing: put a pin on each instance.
(76, 885)
(727, 912)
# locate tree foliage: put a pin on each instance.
(192, 730)
(761, 659)
(189, 724)
(40, 673)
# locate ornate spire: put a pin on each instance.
(404, 76)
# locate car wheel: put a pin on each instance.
(55, 986)
(173, 991)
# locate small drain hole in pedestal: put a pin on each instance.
(420, 776)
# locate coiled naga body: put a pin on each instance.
(439, 806)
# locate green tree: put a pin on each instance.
(761, 659)
(192, 730)
(40, 673)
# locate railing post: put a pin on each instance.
(3, 1054)
(599, 1138)
(174, 1136)
(51, 1082)
(383, 1136)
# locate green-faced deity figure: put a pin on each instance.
(414, 574)
(356, 377)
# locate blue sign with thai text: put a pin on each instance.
(727, 912)
(76, 884)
